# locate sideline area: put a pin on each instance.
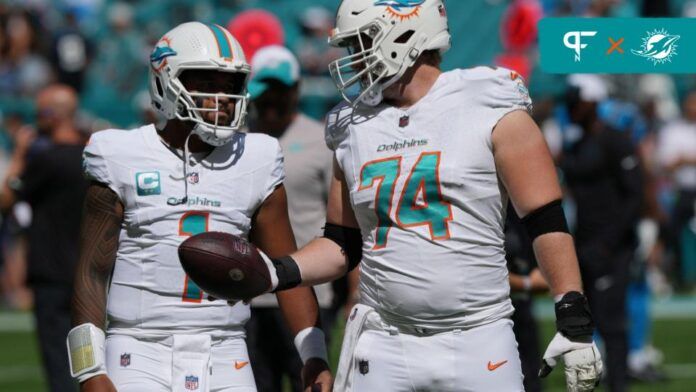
(673, 331)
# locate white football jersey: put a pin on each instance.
(149, 292)
(431, 208)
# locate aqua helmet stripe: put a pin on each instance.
(223, 42)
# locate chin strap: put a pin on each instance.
(184, 200)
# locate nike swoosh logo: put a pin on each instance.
(238, 365)
(493, 366)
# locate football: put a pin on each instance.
(225, 266)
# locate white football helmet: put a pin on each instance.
(196, 46)
(385, 38)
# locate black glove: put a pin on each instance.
(573, 317)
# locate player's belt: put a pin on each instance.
(378, 322)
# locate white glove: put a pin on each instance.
(583, 363)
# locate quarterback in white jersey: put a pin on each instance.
(151, 189)
(149, 294)
(425, 162)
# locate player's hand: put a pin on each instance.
(316, 376)
(100, 383)
(583, 363)
(573, 343)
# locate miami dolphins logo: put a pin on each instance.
(402, 9)
(658, 47)
(158, 57)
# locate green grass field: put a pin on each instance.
(20, 368)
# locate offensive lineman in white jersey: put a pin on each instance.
(151, 189)
(425, 162)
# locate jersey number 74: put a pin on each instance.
(420, 202)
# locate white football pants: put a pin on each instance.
(180, 363)
(385, 359)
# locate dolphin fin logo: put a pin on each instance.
(161, 52)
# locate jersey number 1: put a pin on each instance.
(421, 202)
(190, 224)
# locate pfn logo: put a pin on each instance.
(573, 40)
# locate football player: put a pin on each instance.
(151, 189)
(425, 162)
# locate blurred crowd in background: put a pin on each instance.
(100, 48)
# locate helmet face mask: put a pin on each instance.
(213, 109)
(219, 86)
(388, 37)
(362, 65)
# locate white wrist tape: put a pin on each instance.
(86, 344)
(271, 270)
(310, 343)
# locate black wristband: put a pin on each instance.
(573, 317)
(288, 273)
(350, 241)
(547, 219)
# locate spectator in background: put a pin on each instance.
(13, 263)
(121, 54)
(677, 156)
(115, 74)
(313, 51)
(318, 93)
(274, 90)
(51, 182)
(71, 53)
(604, 176)
(625, 117)
(23, 71)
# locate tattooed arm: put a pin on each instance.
(101, 224)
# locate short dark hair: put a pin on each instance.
(432, 57)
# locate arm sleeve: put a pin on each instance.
(96, 165)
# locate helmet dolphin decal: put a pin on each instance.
(398, 4)
(196, 46)
(161, 52)
(383, 44)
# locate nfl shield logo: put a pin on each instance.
(193, 178)
(191, 383)
(125, 360)
(403, 121)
